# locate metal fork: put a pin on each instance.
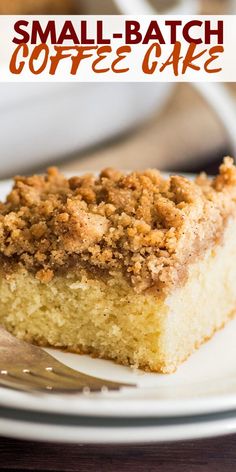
(30, 368)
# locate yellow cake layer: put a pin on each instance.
(108, 319)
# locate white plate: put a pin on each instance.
(206, 383)
(100, 431)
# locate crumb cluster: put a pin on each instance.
(140, 224)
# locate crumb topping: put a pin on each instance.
(139, 223)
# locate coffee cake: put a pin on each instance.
(137, 268)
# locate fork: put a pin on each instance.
(29, 368)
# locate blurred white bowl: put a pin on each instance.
(42, 122)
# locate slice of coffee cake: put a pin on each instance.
(135, 268)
